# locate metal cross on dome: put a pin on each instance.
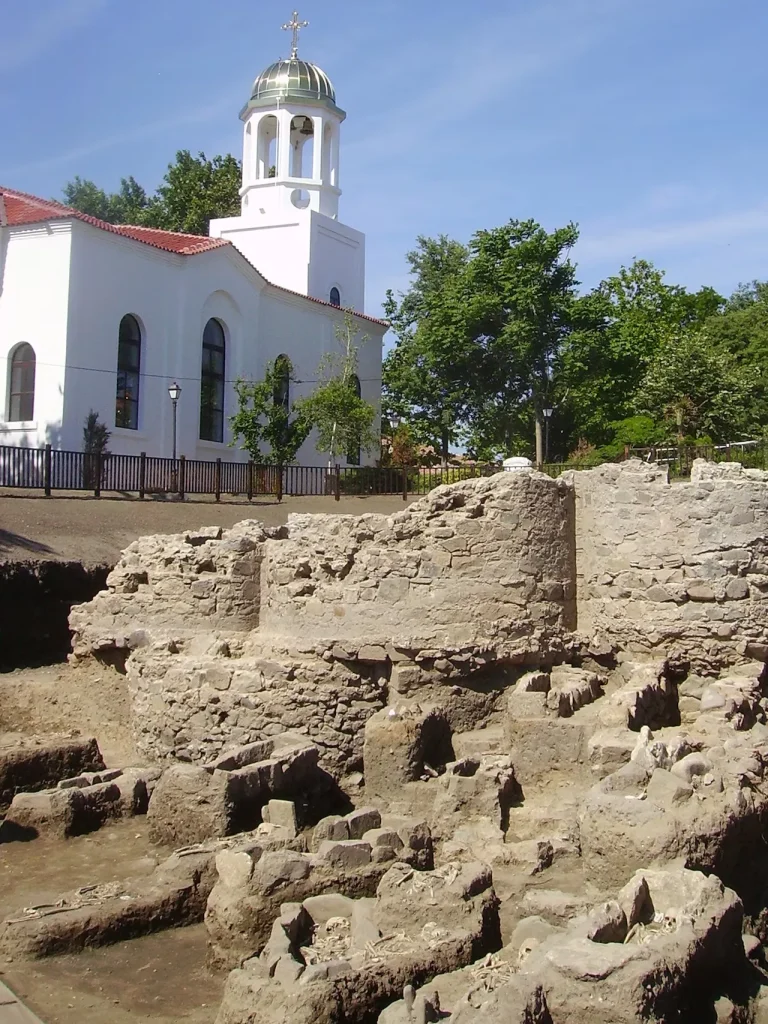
(295, 26)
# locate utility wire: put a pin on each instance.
(170, 376)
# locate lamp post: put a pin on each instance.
(174, 393)
(547, 417)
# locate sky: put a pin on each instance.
(643, 121)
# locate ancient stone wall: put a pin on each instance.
(198, 697)
(188, 581)
(674, 565)
(484, 559)
(236, 635)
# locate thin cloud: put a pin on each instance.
(625, 243)
(49, 25)
(480, 73)
(209, 112)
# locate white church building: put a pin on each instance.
(102, 317)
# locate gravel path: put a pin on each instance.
(95, 530)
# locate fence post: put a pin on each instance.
(182, 474)
(626, 452)
(97, 484)
(217, 484)
(47, 471)
(279, 483)
(337, 484)
(142, 474)
(249, 480)
(405, 483)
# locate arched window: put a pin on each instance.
(282, 390)
(128, 373)
(335, 297)
(212, 383)
(353, 457)
(21, 404)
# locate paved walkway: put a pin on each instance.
(93, 530)
(12, 1011)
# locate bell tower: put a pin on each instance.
(289, 226)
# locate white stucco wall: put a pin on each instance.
(34, 295)
(278, 246)
(304, 251)
(112, 276)
(337, 258)
(172, 297)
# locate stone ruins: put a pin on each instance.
(498, 758)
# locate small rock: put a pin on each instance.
(691, 766)
(665, 788)
(607, 923)
(635, 900)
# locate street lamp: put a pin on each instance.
(174, 393)
(547, 417)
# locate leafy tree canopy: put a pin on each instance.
(195, 190)
(270, 430)
(698, 388)
(344, 421)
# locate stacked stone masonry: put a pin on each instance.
(233, 636)
(682, 565)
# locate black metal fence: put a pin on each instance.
(50, 470)
(679, 459)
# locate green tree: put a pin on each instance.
(87, 197)
(696, 388)
(270, 430)
(127, 206)
(523, 286)
(196, 190)
(95, 446)
(616, 331)
(742, 326)
(95, 435)
(343, 419)
(426, 376)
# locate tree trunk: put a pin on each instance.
(539, 440)
(444, 448)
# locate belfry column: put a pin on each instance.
(317, 148)
(283, 143)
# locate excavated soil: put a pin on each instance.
(38, 872)
(87, 698)
(159, 979)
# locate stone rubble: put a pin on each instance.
(499, 757)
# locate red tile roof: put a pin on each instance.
(22, 208)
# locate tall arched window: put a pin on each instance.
(212, 383)
(282, 389)
(335, 297)
(353, 457)
(21, 399)
(128, 373)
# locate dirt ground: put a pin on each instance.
(87, 698)
(159, 979)
(95, 530)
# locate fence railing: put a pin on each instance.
(680, 458)
(50, 470)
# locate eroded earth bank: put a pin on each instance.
(501, 756)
